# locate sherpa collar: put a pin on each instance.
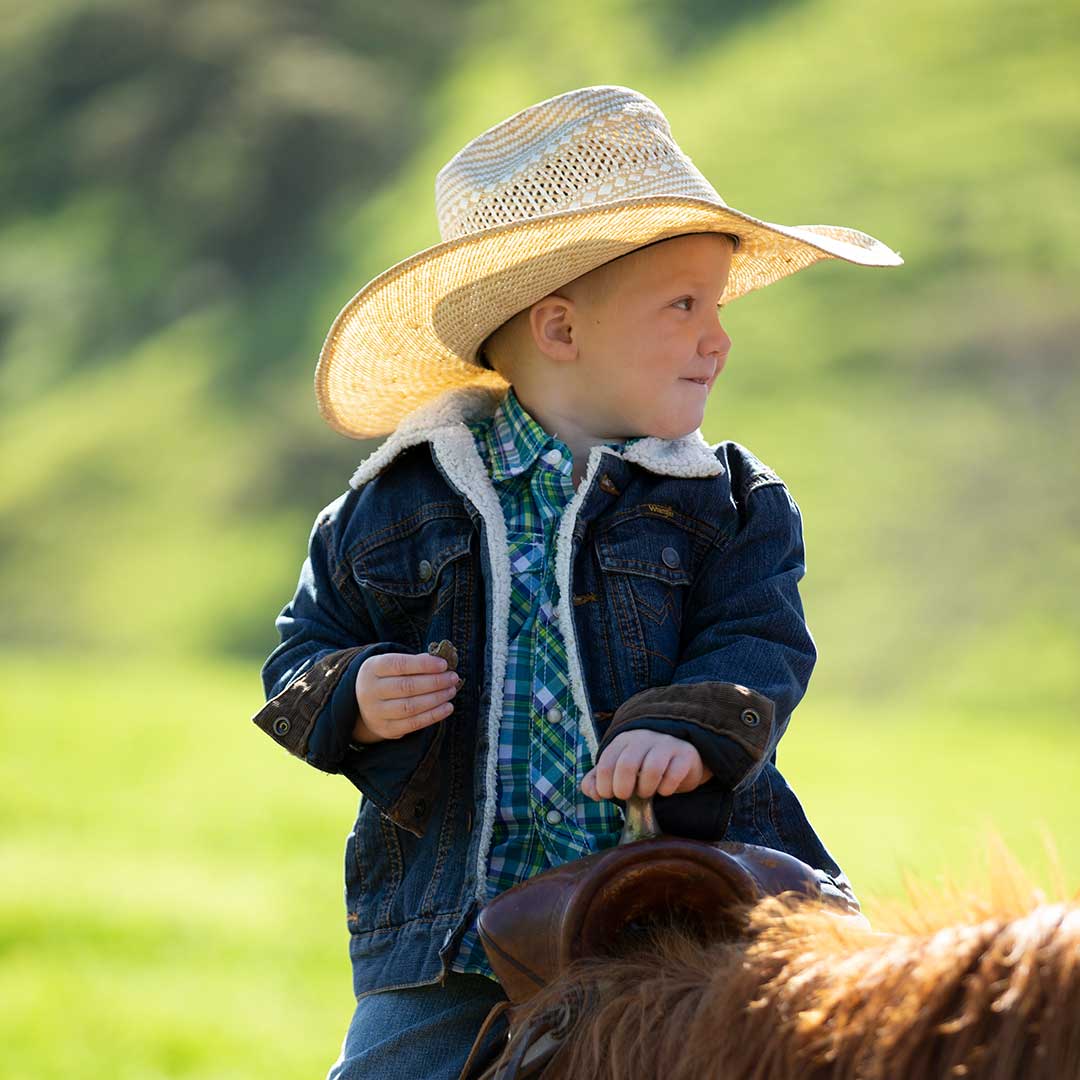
(442, 420)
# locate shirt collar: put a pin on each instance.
(516, 440)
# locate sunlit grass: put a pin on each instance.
(170, 884)
(170, 880)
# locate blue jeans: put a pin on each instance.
(420, 1033)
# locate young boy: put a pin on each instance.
(545, 536)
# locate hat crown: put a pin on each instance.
(582, 149)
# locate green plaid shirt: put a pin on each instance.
(541, 818)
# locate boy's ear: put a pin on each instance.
(552, 322)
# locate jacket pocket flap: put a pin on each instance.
(411, 564)
(647, 546)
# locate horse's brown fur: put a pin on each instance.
(810, 994)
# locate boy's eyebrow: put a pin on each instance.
(678, 281)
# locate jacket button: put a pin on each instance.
(670, 557)
(420, 809)
(425, 570)
(750, 718)
(281, 726)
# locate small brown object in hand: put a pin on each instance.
(446, 650)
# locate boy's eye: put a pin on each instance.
(688, 301)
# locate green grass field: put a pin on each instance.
(170, 880)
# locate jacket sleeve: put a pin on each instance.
(309, 681)
(747, 653)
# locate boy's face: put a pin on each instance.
(649, 344)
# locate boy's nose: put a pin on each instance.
(717, 344)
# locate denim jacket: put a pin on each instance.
(677, 564)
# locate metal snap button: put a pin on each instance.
(750, 718)
(281, 726)
(554, 715)
(670, 557)
(425, 570)
(553, 456)
(553, 817)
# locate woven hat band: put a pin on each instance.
(582, 150)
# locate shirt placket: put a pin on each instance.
(553, 739)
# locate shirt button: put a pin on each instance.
(554, 715)
(670, 557)
(553, 817)
(553, 457)
(425, 570)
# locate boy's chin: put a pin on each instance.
(670, 433)
(676, 428)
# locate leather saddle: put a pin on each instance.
(597, 905)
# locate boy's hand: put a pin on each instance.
(645, 763)
(402, 692)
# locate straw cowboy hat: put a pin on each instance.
(545, 196)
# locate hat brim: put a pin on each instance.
(412, 332)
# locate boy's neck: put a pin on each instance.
(557, 421)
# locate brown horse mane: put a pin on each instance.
(960, 987)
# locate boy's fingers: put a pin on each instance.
(691, 781)
(652, 770)
(396, 663)
(601, 774)
(588, 785)
(408, 707)
(676, 772)
(404, 686)
(421, 720)
(624, 776)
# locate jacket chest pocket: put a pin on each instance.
(416, 582)
(646, 567)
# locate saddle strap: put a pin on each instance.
(535, 1043)
(530, 1050)
(478, 1062)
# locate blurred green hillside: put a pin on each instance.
(191, 193)
(192, 199)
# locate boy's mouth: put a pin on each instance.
(708, 380)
